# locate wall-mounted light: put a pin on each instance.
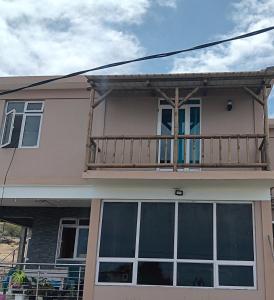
(178, 192)
(229, 105)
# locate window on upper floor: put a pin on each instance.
(177, 244)
(22, 124)
(73, 239)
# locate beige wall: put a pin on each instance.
(271, 135)
(265, 271)
(60, 159)
(138, 115)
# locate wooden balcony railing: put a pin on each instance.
(181, 152)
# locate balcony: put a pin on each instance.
(177, 153)
(185, 120)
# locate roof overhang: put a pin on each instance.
(254, 80)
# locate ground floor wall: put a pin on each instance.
(44, 223)
(264, 269)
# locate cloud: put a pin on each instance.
(249, 54)
(57, 37)
(168, 3)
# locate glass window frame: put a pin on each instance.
(187, 107)
(25, 113)
(215, 262)
(59, 242)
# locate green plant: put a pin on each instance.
(19, 278)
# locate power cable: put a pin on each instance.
(149, 57)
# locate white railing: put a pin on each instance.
(34, 281)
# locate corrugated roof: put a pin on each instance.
(266, 73)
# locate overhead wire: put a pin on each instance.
(144, 58)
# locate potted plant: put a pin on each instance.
(45, 289)
(19, 282)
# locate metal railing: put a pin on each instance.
(34, 281)
(192, 151)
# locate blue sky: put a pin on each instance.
(50, 37)
(183, 26)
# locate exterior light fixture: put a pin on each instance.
(179, 192)
(229, 105)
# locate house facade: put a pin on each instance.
(145, 186)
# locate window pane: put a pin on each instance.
(236, 276)
(84, 222)
(34, 106)
(195, 130)
(195, 231)
(18, 106)
(155, 273)
(166, 129)
(118, 233)
(7, 128)
(235, 232)
(82, 243)
(115, 272)
(67, 244)
(31, 131)
(68, 222)
(157, 230)
(16, 131)
(181, 142)
(191, 274)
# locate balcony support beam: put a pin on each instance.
(188, 96)
(176, 130)
(266, 129)
(164, 95)
(255, 96)
(90, 124)
(102, 98)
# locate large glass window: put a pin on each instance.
(156, 230)
(177, 244)
(118, 230)
(73, 238)
(22, 123)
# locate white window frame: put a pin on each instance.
(59, 240)
(11, 130)
(216, 263)
(186, 107)
(24, 114)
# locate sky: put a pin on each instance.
(54, 37)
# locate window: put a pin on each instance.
(177, 244)
(189, 124)
(73, 239)
(22, 124)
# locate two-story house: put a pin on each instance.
(142, 186)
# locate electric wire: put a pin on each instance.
(144, 58)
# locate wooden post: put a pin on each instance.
(90, 123)
(266, 130)
(176, 130)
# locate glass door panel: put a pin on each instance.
(189, 124)
(182, 131)
(194, 147)
(166, 129)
